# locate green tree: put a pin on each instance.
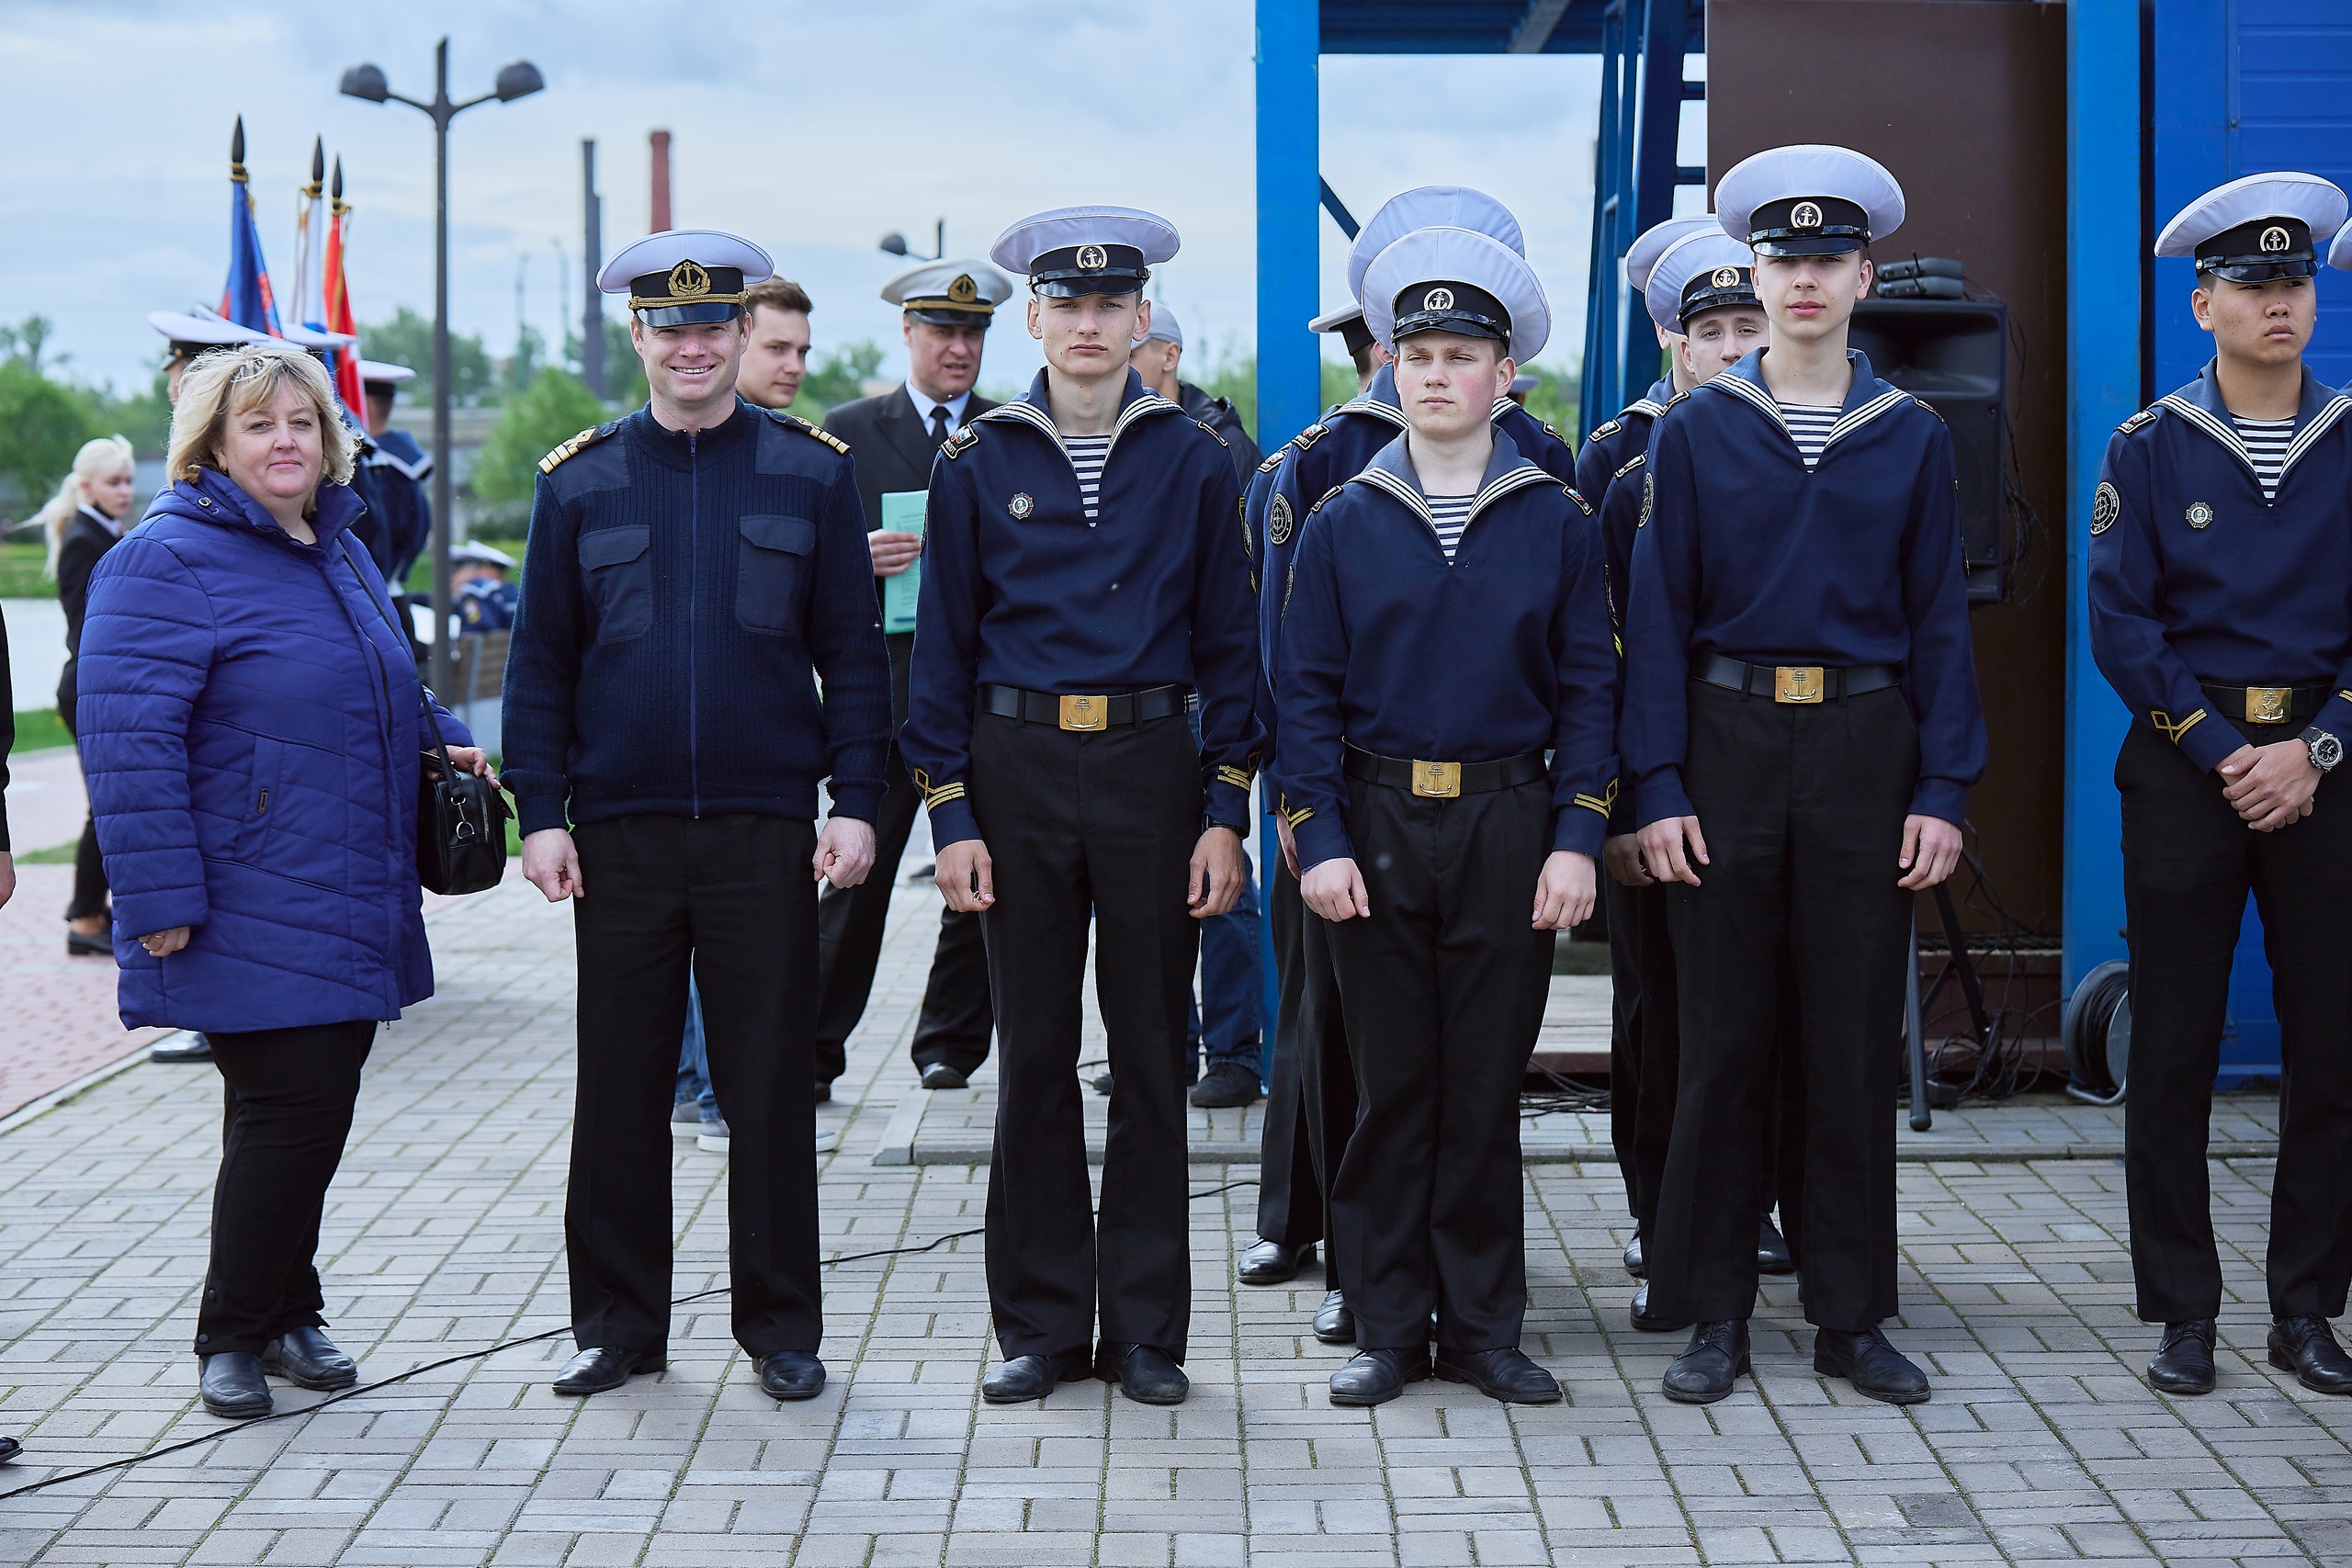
(43, 424)
(1554, 403)
(557, 406)
(530, 352)
(144, 420)
(837, 378)
(624, 372)
(407, 339)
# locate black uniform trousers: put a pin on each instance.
(1096, 825)
(287, 1095)
(730, 898)
(1645, 1056)
(1311, 1099)
(1803, 807)
(1443, 987)
(2188, 863)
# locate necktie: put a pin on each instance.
(939, 423)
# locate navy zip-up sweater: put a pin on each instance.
(1501, 652)
(682, 595)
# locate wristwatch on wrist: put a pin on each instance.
(2326, 750)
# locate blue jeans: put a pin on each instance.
(1225, 1019)
(693, 1061)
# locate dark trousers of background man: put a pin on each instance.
(1645, 1057)
(288, 1097)
(1803, 807)
(1224, 1025)
(956, 1019)
(1311, 1098)
(1077, 824)
(730, 898)
(1443, 986)
(2189, 862)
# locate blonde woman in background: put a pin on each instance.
(82, 523)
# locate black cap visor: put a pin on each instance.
(1446, 307)
(1808, 226)
(946, 313)
(687, 295)
(1355, 335)
(1073, 272)
(708, 313)
(1708, 291)
(2260, 251)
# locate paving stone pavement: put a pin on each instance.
(444, 1233)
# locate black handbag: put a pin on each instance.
(460, 816)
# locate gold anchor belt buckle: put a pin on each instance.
(1797, 684)
(1085, 713)
(1437, 781)
(2269, 704)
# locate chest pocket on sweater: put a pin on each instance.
(617, 576)
(771, 571)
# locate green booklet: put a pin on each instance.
(902, 513)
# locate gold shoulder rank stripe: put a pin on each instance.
(1212, 435)
(2173, 732)
(572, 449)
(1238, 777)
(2144, 417)
(1271, 464)
(1636, 461)
(794, 422)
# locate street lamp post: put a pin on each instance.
(516, 79)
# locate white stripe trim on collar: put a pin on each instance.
(1848, 423)
(1508, 482)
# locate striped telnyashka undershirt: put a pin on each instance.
(1451, 514)
(2266, 448)
(1086, 454)
(1809, 428)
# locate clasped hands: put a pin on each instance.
(2270, 786)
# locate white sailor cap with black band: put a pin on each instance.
(1808, 200)
(1451, 281)
(486, 554)
(191, 336)
(314, 341)
(2339, 254)
(1429, 207)
(958, 292)
(2257, 228)
(376, 373)
(1076, 251)
(1348, 321)
(1704, 271)
(1653, 242)
(684, 276)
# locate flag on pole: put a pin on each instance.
(337, 290)
(245, 298)
(310, 244)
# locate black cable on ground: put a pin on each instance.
(233, 1427)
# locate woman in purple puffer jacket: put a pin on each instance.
(250, 724)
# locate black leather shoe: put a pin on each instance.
(1705, 1371)
(185, 1048)
(1228, 1084)
(1505, 1374)
(1375, 1377)
(232, 1385)
(1635, 1264)
(1334, 1322)
(1024, 1378)
(791, 1374)
(1653, 1323)
(1876, 1369)
(601, 1368)
(2184, 1362)
(824, 1091)
(1772, 1255)
(308, 1359)
(2307, 1348)
(9, 1449)
(1272, 1263)
(939, 1075)
(1145, 1373)
(79, 947)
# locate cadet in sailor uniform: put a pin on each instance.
(1311, 1102)
(1801, 716)
(1446, 629)
(1700, 293)
(401, 466)
(1083, 579)
(1610, 444)
(2220, 553)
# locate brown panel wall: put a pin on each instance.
(1964, 101)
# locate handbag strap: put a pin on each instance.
(424, 699)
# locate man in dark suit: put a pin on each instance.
(947, 306)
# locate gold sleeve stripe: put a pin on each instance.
(943, 794)
(1238, 777)
(1301, 814)
(2346, 695)
(1591, 804)
(2173, 732)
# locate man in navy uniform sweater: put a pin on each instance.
(1610, 444)
(1446, 628)
(695, 570)
(1083, 581)
(1800, 718)
(2220, 556)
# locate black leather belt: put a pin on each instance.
(1794, 682)
(1443, 780)
(1114, 711)
(2268, 705)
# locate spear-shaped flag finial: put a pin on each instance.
(335, 188)
(237, 151)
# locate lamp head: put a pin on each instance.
(365, 82)
(896, 244)
(519, 79)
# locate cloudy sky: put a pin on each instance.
(811, 126)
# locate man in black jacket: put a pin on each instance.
(696, 573)
(1156, 359)
(947, 306)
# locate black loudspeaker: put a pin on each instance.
(1954, 353)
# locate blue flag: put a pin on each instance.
(245, 298)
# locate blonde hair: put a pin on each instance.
(231, 381)
(101, 455)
